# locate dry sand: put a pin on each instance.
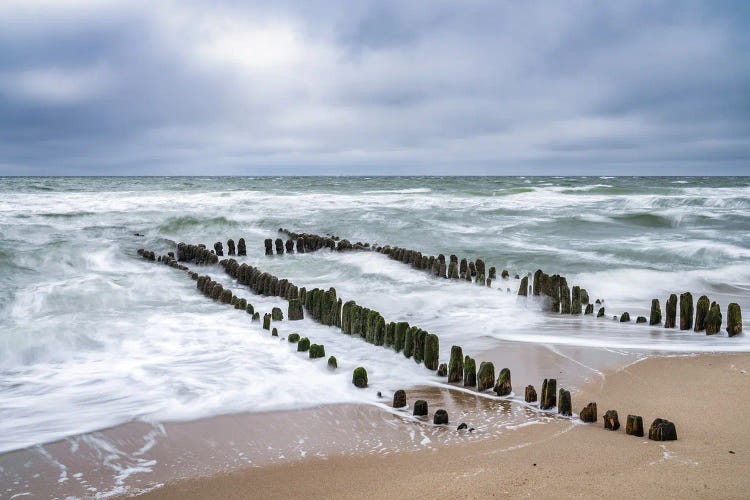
(706, 396)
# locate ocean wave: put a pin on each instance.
(644, 220)
(187, 222)
(65, 215)
(399, 191)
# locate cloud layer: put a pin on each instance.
(374, 87)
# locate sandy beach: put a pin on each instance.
(562, 459)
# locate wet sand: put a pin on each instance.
(706, 397)
(139, 456)
(391, 451)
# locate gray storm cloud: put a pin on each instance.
(581, 87)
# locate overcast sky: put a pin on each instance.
(374, 87)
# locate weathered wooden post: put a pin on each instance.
(655, 317)
(548, 398)
(456, 365)
(634, 426)
(611, 420)
(470, 372)
(530, 394)
(485, 376)
(686, 311)
(503, 386)
(713, 319)
(523, 290)
(588, 414)
(662, 430)
(564, 405)
(734, 319)
(701, 311)
(359, 377)
(431, 351)
(671, 312)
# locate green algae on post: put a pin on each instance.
(359, 377)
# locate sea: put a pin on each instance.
(93, 337)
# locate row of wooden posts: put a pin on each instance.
(558, 296)
(705, 316)
(326, 308)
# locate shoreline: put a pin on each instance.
(158, 459)
(562, 458)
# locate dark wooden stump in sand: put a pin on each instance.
(440, 418)
(701, 311)
(332, 363)
(655, 317)
(686, 311)
(564, 405)
(289, 246)
(276, 314)
(634, 426)
(279, 246)
(611, 421)
(456, 365)
(219, 248)
(588, 414)
(548, 398)
(485, 376)
(269, 246)
(734, 319)
(530, 394)
(431, 351)
(470, 372)
(503, 386)
(399, 398)
(420, 408)
(266, 321)
(359, 377)
(671, 312)
(241, 248)
(713, 319)
(230, 247)
(662, 430)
